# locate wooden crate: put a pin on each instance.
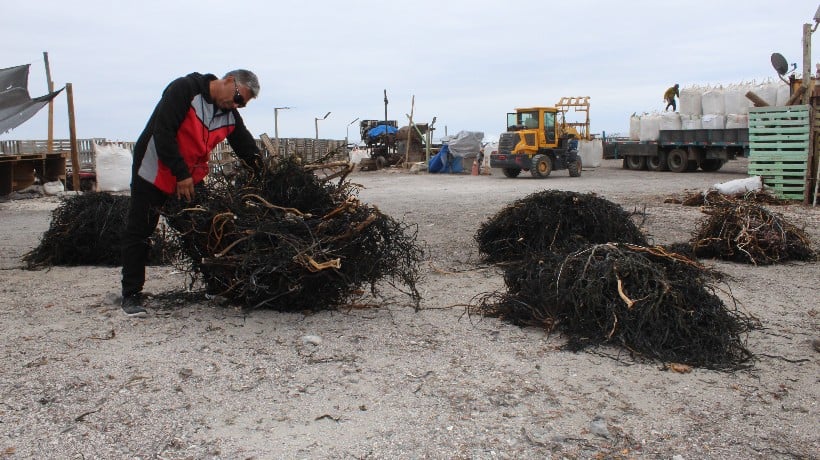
(779, 148)
(19, 171)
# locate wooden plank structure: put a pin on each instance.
(779, 141)
(19, 171)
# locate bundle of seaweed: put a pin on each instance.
(748, 233)
(714, 197)
(554, 221)
(289, 241)
(656, 304)
(85, 230)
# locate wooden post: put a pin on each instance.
(50, 142)
(75, 153)
(807, 63)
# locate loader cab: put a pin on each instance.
(541, 120)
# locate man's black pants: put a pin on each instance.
(143, 216)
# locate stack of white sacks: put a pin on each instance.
(709, 107)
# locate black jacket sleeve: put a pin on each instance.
(243, 144)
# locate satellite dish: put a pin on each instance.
(781, 66)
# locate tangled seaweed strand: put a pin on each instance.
(85, 230)
(749, 233)
(657, 304)
(287, 241)
(714, 197)
(554, 221)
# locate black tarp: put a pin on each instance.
(16, 106)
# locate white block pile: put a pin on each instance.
(710, 107)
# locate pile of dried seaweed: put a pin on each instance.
(713, 197)
(748, 233)
(656, 304)
(85, 230)
(288, 240)
(554, 221)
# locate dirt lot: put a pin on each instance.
(80, 380)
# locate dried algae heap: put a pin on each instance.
(85, 230)
(742, 231)
(586, 282)
(288, 240)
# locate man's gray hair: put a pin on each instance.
(245, 78)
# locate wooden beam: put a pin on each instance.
(50, 83)
(75, 153)
(757, 100)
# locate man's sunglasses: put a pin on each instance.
(238, 99)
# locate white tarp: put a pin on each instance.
(465, 144)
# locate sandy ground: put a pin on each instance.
(80, 380)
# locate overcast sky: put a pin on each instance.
(467, 63)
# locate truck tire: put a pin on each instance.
(511, 172)
(657, 163)
(711, 164)
(636, 162)
(575, 167)
(677, 160)
(541, 166)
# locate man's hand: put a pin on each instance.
(185, 189)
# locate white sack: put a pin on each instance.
(113, 167)
(670, 120)
(690, 101)
(53, 188)
(767, 92)
(650, 125)
(357, 155)
(712, 121)
(733, 187)
(691, 122)
(712, 101)
(735, 100)
(736, 120)
(783, 94)
(591, 152)
(635, 127)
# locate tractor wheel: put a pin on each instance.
(677, 161)
(575, 167)
(657, 163)
(541, 166)
(636, 162)
(512, 172)
(712, 164)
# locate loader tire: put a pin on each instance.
(575, 167)
(541, 166)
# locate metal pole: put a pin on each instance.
(347, 130)
(316, 122)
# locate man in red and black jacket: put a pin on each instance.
(196, 112)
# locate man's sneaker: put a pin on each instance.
(132, 306)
